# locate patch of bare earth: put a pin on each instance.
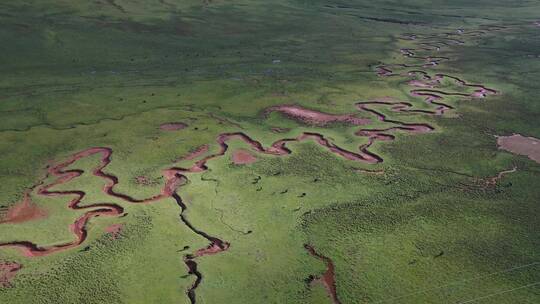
(242, 157)
(23, 211)
(173, 126)
(521, 145)
(8, 270)
(312, 117)
(114, 230)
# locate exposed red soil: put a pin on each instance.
(522, 145)
(242, 157)
(175, 177)
(396, 107)
(8, 270)
(24, 211)
(312, 117)
(424, 87)
(213, 248)
(375, 135)
(115, 230)
(328, 279)
(401, 106)
(173, 126)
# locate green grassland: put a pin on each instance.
(429, 229)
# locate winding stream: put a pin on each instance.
(421, 83)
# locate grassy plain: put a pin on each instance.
(428, 229)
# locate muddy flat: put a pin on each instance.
(521, 145)
(242, 157)
(173, 126)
